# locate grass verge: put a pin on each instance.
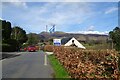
(59, 70)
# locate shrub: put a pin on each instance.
(6, 47)
(88, 63)
(48, 48)
(10, 45)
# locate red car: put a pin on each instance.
(31, 48)
(25, 49)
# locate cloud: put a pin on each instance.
(94, 32)
(91, 32)
(90, 0)
(38, 15)
(1, 18)
(17, 3)
(66, 0)
(62, 14)
(91, 28)
(110, 10)
(68, 13)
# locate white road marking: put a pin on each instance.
(45, 59)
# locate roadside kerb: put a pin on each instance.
(10, 54)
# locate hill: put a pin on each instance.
(80, 37)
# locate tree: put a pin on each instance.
(115, 36)
(50, 41)
(0, 25)
(0, 32)
(33, 39)
(8, 44)
(19, 34)
(12, 38)
(6, 30)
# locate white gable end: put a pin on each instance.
(79, 45)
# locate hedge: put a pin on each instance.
(102, 64)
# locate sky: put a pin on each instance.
(72, 17)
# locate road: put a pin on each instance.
(26, 65)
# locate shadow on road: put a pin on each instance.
(9, 56)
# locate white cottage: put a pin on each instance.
(74, 42)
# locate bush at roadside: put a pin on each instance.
(87, 63)
(10, 45)
(48, 48)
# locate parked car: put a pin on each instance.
(25, 49)
(21, 49)
(31, 48)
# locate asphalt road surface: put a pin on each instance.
(26, 65)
